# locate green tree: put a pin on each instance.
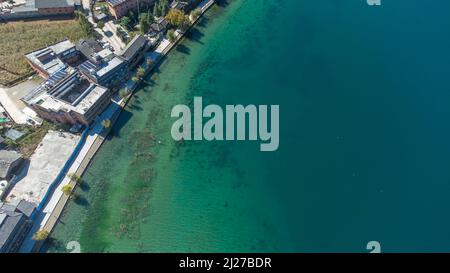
(101, 24)
(140, 72)
(77, 14)
(149, 62)
(84, 23)
(132, 16)
(67, 190)
(164, 6)
(40, 235)
(106, 123)
(144, 24)
(135, 79)
(185, 23)
(74, 178)
(176, 17)
(171, 35)
(157, 10)
(150, 17)
(124, 93)
(104, 10)
(125, 22)
(196, 13)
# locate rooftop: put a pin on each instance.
(89, 48)
(99, 70)
(6, 159)
(53, 3)
(13, 134)
(47, 58)
(134, 47)
(160, 24)
(10, 217)
(67, 90)
(34, 5)
(45, 164)
(8, 222)
(116, 2)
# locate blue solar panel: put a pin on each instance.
(116, 2)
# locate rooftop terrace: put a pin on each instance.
(48, 58)
(66, 90)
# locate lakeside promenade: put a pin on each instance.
(53, 209)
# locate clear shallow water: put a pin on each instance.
(364, 99)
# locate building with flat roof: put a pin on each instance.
(49, 60)
(53, 7)
(180, 5)
(108, 72)
(15, 223)
(102, 66)
(39, 8)
(68, 97)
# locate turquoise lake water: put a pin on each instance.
(364, 95)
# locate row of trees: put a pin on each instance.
(161, 8)
(41, 234)
(175, 17)
(145, 21)
(84, 23)
(128, 21)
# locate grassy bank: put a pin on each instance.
(33, 136)
(18, 38)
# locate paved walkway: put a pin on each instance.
(10, 100)
(11, 108)
(113, 39)
(55, 205)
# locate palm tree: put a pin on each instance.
(40, 235)
(124, 93)
(106, 123)
(140, 72)
(171, 35)
(74, 178)
(67, 190)
(196, 13)
(149, 62)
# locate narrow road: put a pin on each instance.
(13, 111)
(112, 39)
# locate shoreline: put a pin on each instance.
(52, 218)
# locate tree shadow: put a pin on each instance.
(195, 35)
(52, 243)
(222, 3)
(123, 119)
(84, 186)
(133, 106)
(202, 22)
(80, 200)
(183, 49)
